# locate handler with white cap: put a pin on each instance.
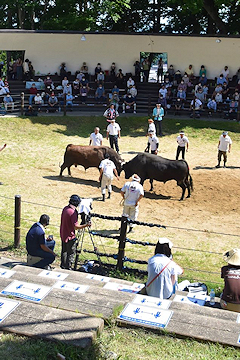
(224, 146)
(114, 133)
(182, 141)
(132, 192)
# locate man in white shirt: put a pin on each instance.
(132, 192)
(114, 133)
(196, 105)
(96, 138)
(107, 169)
(224, 146)
(182, 141)
(153, 143)
(151, 126)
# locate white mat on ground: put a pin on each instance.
(135, 288)
(193, 299)
(6, 307)
(28, 291)
(53, 275)
(6, 273)
(98, 277)
(151, 301)
(69, 286)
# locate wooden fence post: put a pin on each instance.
(22, 103)
(17, 221)
(122, 242)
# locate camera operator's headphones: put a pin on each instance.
(74, 200)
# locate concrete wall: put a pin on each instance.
(47, 50)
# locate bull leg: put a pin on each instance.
(151, 183)
(183, 187)
(188, 188)
(63, 167)
(69, 171)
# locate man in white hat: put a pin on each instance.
(224, 146)
(132, 192)
(153, 143)
(96, 138)
(107, 169)
(230, 298)
(183, 142)
(114, 133)
(151, 126)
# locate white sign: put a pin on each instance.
(53, 275)
(238, 319)
(146, 315)
(135, 288)
(151, 301)
(28, 291)
(6, 307)
(71, 287)
(192, 299)
(6, 273)
(98, 277)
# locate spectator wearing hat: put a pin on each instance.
(230, 298)
(162, 271)
(224, 146)
(69, 223)
(151, 127)
(132, 192)
(158, 113)
(96, 138)
(153, 143)
(183, 142)
(107, 170)
(114, 133)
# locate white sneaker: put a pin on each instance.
(134, 112)
(123, 112)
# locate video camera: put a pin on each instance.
(84, 209)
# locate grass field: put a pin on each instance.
(30, 167)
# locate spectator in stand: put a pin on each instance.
(100, 78)
(8, 102)
(203, 80)
(218, 89)
(100, 94)
(84, 82)
(133, 92)
(52, 103)
(96, 138)
(195, 106)
(225, 72)
(115, 101)
(171, 73)
(137, 66)
(205, 91)
(221, 80)
(179, 104)
(120, 79)
(80, 75)
(158, 113)
(129, 102)
(146, 68)
(83, 94)
(181, 94)
(236, 96)
(160, 70)
(14, 69)
(31, 71)
(233, 108)
(48, 82)
(111, 113)
(10, 71)
(163, 91)
(167, 83)
(38, 101)
(130, 82)
(187, 81)
(113, 72)
(3, 89)
(63, 70)
(115, 90)
(64, 82)
(69, 100)
(19, 69)
(177, 77)
(182, 85)
(6, 86)
(163, 102)
(230, 297)
(76, 87)
(200, 95)
(33, 92)
(202, 71)
(190, 73)
(67, 89)
(212, 106)
(84, 70)
(98, 69)
(218, 98)
(225, 90)
(26, 70)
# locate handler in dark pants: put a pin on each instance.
(38, 245)
(182, 141)
(113, 133)
(69, 223)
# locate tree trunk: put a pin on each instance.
(212, 11)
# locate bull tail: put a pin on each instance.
(190, 181)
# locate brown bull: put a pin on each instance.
(89, 156)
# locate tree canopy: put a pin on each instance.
(158, 16)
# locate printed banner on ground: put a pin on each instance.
(53, 275)
(28, 291)
(146, 315)
(71, 287)
(135, 288)
(151, 301)
(6, 307)
(192, 299)
(98, 277)
(6, 273)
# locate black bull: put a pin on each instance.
(153, 167)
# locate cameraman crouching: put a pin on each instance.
(69, 223)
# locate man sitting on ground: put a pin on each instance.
(38, 245)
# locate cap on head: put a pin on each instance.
(232, 257)
(225, 133)
(150, 120)
(163, 240)
(135, 177)
(74, 200)
(107, 156)
(181, 132)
